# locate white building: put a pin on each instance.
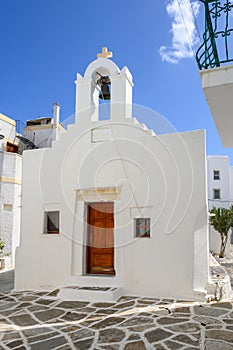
(220, 193)
(38, 133)
(42, 131)
(214, 58)
(220, 182)
(112, 204)
(10, 187)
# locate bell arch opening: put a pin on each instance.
(102, 93)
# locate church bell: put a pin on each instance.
(104, 83)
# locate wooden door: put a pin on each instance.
(100, 238)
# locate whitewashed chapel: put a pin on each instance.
(111, 204)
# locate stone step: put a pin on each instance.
(96, 281)
(219, 286)
(82, 293)
(134, 120)
(151, 132)
(143, 126)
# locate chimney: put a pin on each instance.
(56, 114)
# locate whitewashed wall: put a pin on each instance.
(168, 183)
(222, 164)
(164, 175)
(43, 135)
(217, 84)
(231, 184)
(10, 192)
(7, 129)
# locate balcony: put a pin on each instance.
(214, 58)
(217, 84)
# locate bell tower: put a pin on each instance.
(104, 80)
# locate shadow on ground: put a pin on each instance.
(7, 280)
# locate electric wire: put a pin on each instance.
(195, 22)
(187, 32)
(195, 25)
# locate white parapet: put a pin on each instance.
(217, 84)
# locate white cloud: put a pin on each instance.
(184, 34)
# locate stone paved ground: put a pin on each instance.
(39, 321)
(7, 280)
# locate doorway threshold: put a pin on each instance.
(97, 280)
(97, 275)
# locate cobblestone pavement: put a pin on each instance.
(228, 265)
(39, 321)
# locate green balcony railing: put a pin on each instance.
(217, 47)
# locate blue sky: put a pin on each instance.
(45, 43)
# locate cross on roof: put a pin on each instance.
(105, 53)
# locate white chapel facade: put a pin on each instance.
(113, 204)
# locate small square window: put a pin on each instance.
(52, 222)
(7, 207)
(12, 148)
(217, 193)
(216, 174)
(142, 227)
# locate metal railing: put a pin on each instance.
(216, 48)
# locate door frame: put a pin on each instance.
(86, 247)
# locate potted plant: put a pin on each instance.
(2, 259)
